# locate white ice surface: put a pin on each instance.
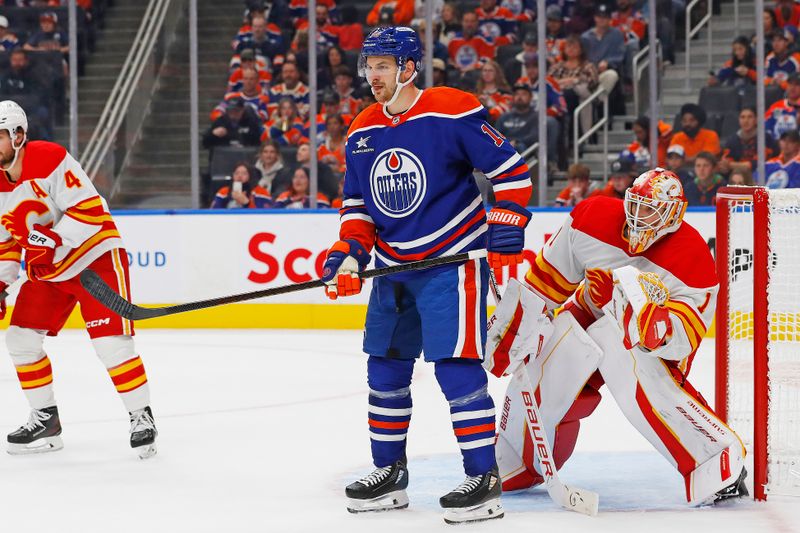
(261, 430)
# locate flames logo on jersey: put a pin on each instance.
(398, 182)
(16, 220)
(601, 285)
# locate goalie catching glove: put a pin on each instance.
(340, 272)
(639, 306)
(40, 251)
(506, 237)
(518, 328)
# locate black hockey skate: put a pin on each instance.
(143, 432)
(475, 500)
(737, 489)
(40, 434)
(382, 490)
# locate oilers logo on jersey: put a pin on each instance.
(398, 182)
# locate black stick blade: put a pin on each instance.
(107, 296)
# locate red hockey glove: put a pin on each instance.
(40, 251)
(340, 273)
(655, 326)
(506, 237)
(3, 287)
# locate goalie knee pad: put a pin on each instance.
(126, 369)
(389, 408)
(24, 345)
(464, 384)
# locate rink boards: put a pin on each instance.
(178, 257)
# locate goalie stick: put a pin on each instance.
(104, 294)
(14, 287)
(570, 498)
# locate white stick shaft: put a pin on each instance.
(14, 287)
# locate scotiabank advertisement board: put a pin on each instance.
(183, 257)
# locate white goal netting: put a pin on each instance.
(783, 348)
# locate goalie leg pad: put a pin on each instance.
(32, 365)
(464, 385)
(666, 410)
(564, 366)
(125, 368)
(389, 408)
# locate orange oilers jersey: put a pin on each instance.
(576, 266)
(55, 192)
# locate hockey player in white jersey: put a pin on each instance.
(52, 213)
(638, 288)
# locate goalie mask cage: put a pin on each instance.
(758, 330)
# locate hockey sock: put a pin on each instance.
(389, 407)
(464, 384)
(125, 369)
(33, 366)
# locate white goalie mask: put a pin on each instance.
(654, 207)
(13, 117)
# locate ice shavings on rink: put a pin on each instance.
(260, 431)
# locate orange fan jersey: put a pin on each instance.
(55, 192)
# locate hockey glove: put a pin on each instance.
(340, 272)
(3, 287)
(639, 305)
(507, 222)
(40, 251)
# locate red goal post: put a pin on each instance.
(758, 330)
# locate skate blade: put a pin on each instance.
(393, 500)
(44, 445)
(486, 511)
(147, 451)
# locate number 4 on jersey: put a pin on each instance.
(71, 180)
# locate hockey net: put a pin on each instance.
(758, 330)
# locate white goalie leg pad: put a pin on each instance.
(676, 423)
(715, 474)
(559, 373)
(518, 328)
(118, 352)
(25, 348)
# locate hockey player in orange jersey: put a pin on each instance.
(638, 288)
(52, 213)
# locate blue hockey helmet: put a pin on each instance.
(400, 42)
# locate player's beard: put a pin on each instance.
(384, 92)
(6, 158)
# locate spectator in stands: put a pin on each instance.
(327, 31)
(8, 40)
(578, 78)
(269, 163)
(515, 67)
(351, 32)
(439, 73)
(676, 162)
(787, 12)
(770, 25)
(556, 105)
(252, 93)
(783, 171)
(702, 190)
(333, 58)
(248, 59)
(782, 115)
(439, 50)
(298, 10)
(394, 12)
(623, 172)
(297, 195)
(49, 37)
(633, 26)
(468, 49)
(493, 90)
(740, 150)
(276, 11)
(265, 38)
(605, 47)
(741, 177)
(21, 80)
(498, 24)
(243, 192)
(326, 180)
(292, 87)
(781, 63)
(331, 150)
(578, 186)
(343, 87)
(286, 126)
(336, 203)
(520, 123)
(639, 150)
(693, 136)
(239, 126)
(581, 17)
(331, 105)
(451, 22)
(556, 36)
(740, 69)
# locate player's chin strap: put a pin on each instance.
(400, 86)
(16, 151)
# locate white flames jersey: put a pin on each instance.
(55, 192)
(576, 265)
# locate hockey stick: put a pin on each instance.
(104, 294)
(570, 498)
(14, 287)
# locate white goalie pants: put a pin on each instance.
(651, 393)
